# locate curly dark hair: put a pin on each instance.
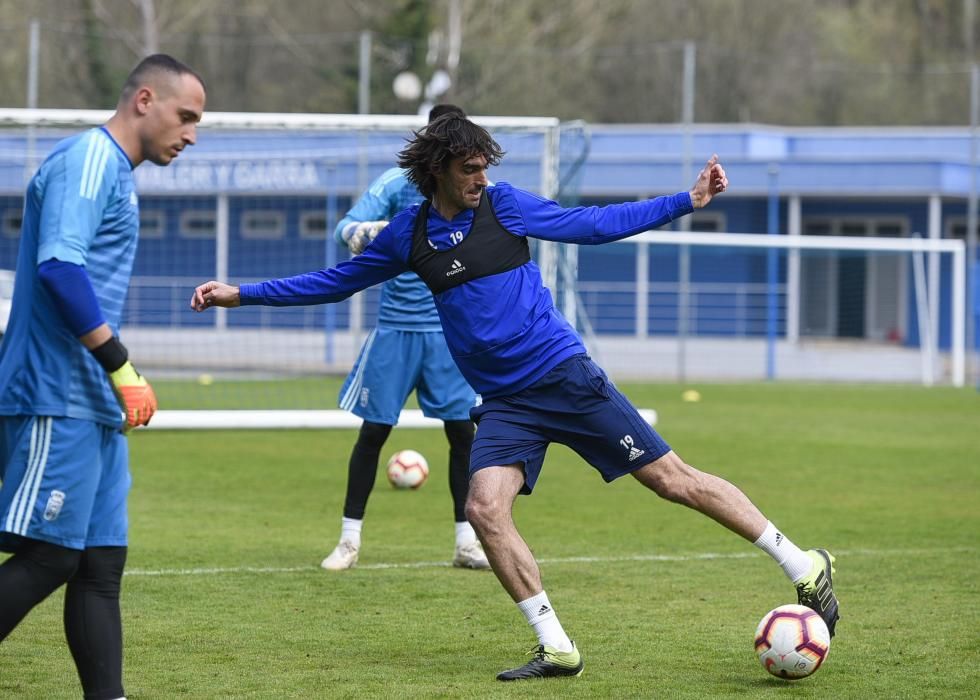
(450, 136)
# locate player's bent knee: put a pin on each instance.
(491, 496)
(459, 433)
(476, 512)
(101, 569)
(373, 435)
(669, 477)
(483, 512)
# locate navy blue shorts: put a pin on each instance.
(576, 405)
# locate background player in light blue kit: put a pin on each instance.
(407, 351)
(64, 375)
(530, 366)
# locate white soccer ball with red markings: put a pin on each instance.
(792, 641)
(407, 469)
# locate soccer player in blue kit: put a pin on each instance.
(530, 366)
(407, 351)
(65, 375)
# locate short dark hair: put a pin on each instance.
(151, 66)
(444, 108)
(449, 136)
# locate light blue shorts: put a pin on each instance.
(392, 364)
(65, 481)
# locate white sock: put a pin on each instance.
(464, 534)
(796, 564)
(350, 530)
(542, 618)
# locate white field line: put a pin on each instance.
(311, 568)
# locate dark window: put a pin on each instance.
(198, 223)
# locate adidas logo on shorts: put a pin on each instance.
(631, 448)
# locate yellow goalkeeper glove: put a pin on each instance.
(135, 395)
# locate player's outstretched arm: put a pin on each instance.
(379, 262)
(215, 294)
(711, 181)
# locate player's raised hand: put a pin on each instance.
(711, 181)
(358, 234)
(215, 294)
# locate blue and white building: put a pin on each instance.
(253, 204)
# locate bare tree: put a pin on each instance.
(777, 61)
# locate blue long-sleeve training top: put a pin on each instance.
(406, 303)
(503, 330)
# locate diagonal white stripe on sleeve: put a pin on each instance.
(87, 167)
(98, 169)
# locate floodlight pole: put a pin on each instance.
(33, 50)
(772, 272)
(363, 107)
(364, 74)
(33, 54)
(222, 248)
(971, 229)
(684, 260)
(330, 223)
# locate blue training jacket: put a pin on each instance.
(503, 330)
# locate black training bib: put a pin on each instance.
(488, 249)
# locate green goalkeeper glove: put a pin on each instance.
(358, 234)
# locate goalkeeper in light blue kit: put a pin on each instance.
(67, 388)
(530, 366)
(407, 351)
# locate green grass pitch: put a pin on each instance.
(224, 598)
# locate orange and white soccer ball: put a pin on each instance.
(792, 641)
(407, 469)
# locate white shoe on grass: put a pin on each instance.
(344, 556)
(470, 556)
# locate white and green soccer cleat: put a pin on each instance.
(816, 589)
(344, 556)
(548, 662)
